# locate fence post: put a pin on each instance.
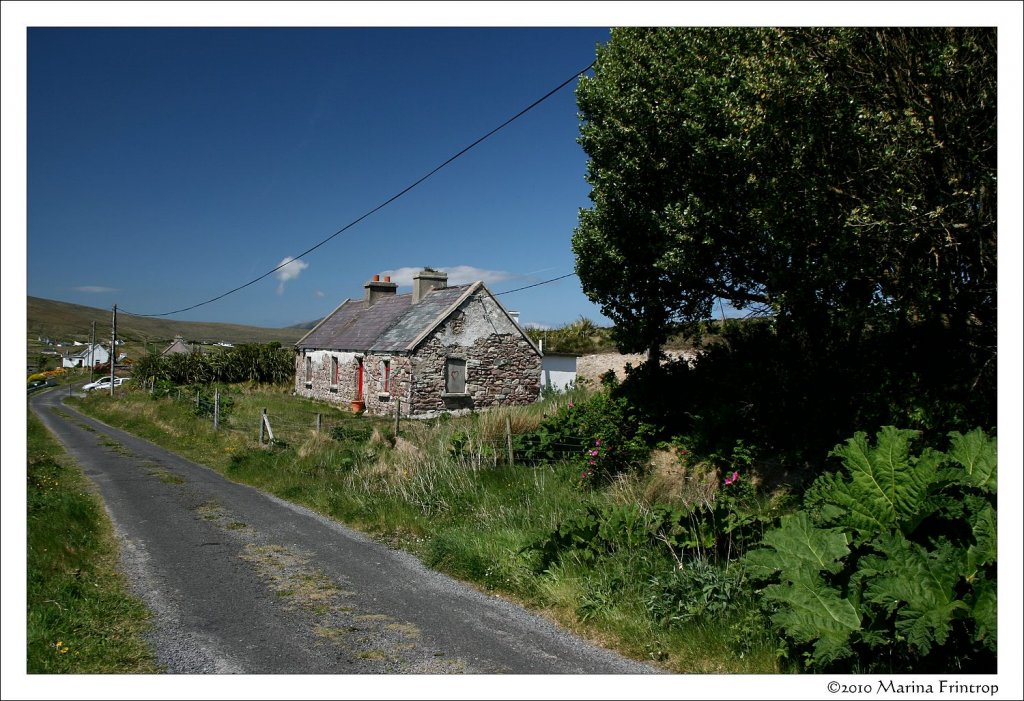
(318, 422)
(263, 419)
(269, 431)
(398, 414)
(216, 409)
(508, 437)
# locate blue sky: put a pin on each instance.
(165, 167)
(198, 159)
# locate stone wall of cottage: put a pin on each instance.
(320, 385)
(379, 399)
(502, 367)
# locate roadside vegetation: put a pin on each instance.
(81, 620)
(688, 559)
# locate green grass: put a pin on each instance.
(462, 511)
(80, 618)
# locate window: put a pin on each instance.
(455, 376)
(385, 376)
(334, 370)
(309, 370)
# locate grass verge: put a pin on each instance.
(81, 620)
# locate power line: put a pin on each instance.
(383, 204)
(536, 284)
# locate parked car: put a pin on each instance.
(36, 385)
(103, 383)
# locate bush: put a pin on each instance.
(602, 434)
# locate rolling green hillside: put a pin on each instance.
(64, 322)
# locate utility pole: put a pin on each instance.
(113, 348)
(92, 352)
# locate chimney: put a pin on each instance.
(375, 289)
(426, 280)
(515, 317)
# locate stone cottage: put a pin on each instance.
(437, 349)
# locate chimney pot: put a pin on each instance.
(387, 278)
(375, 289)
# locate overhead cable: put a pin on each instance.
(380, 206)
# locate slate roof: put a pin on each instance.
(392, 324)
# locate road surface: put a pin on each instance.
(242, 582)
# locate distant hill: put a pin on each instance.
(62, 321)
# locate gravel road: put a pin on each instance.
(242, 582)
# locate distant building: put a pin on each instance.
(437, 349)
(90, 356)
(177, 346)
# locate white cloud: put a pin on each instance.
(319, 294)
(94, 289)
(289, 270)
(457, 275)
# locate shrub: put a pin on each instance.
(602, 434)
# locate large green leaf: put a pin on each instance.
(984, 612)
(886, 487)
(797, 544)
(976, 452)
(983, 551)
(815, 613)
(920, 586)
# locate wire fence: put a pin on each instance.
(298, 424)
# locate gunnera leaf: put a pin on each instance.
(797, 544)
(886, 487)
(919, 586)
(976, 452)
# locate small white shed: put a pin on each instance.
(558, 371)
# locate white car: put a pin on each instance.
(103, 383)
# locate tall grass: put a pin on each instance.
(80, 618)
(443, 489)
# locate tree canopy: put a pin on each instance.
(837, 179)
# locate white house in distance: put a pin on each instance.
(90, 356)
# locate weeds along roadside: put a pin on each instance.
(442, 490)
(80, 618)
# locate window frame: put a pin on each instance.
(449, 389)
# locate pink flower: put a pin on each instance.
(597, 442)
(592, 462)
(571, 405)
(733, 478)
(593, 453)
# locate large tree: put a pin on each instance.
(841, 180)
